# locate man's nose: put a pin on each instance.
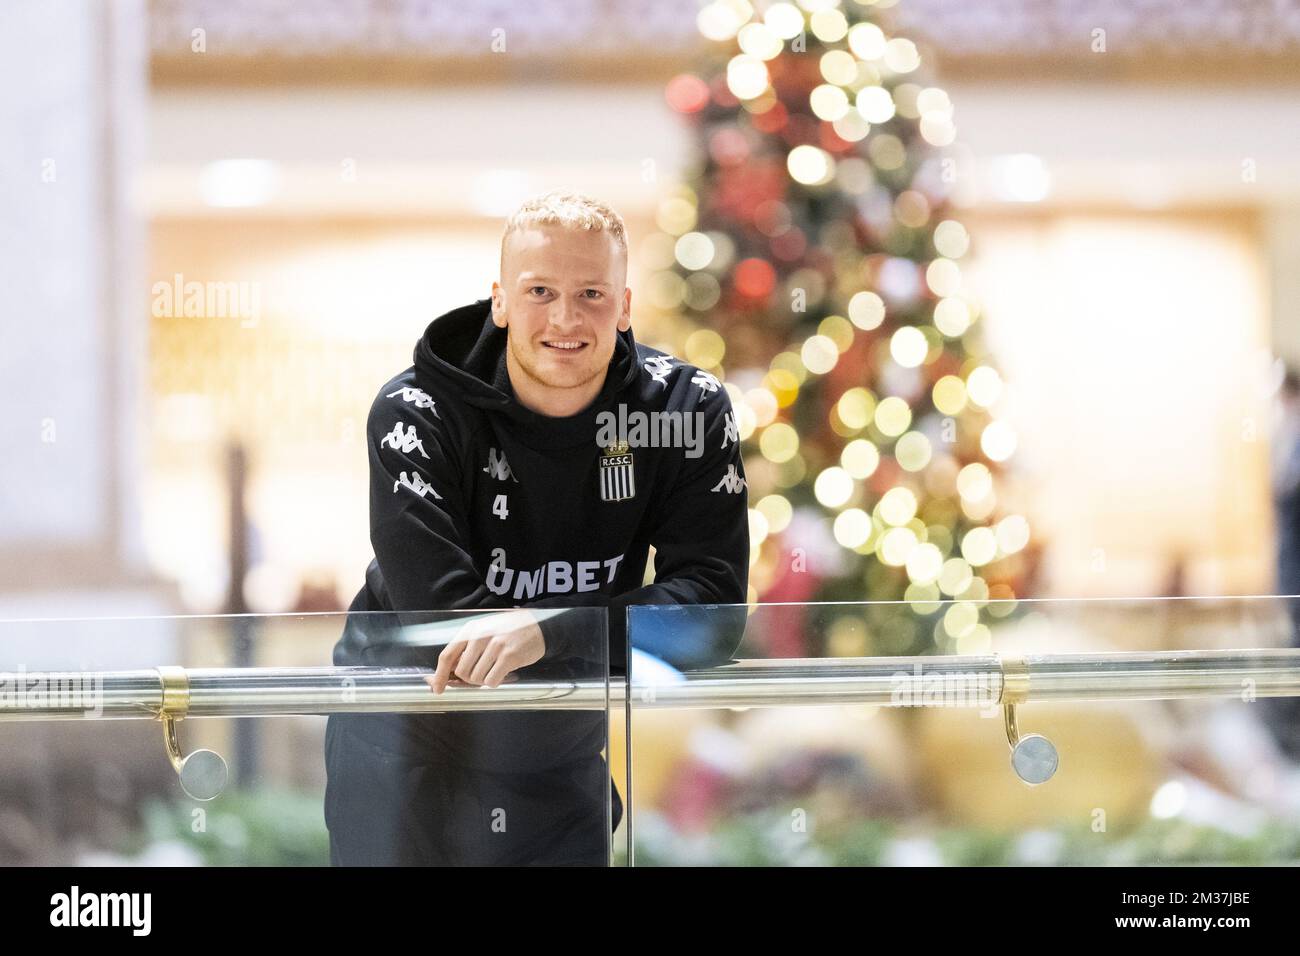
(564, 315)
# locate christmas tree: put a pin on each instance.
(812, 263)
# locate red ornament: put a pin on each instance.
(771, 120)
(754, 278)
(687, 93)
(740, 190)
(801, 130)
(885, 476)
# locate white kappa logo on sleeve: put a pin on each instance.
(659, 366)
(731, 482)
(416, 484)
(404, 442)
(731, 433)
(417, 396)
(706, 381)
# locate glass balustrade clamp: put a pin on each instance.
(1033, 756)
(203, 773)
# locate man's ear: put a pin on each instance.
(625, 317)
(498, 306)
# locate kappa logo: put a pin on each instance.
(659, 366)
(706, 381)
(417, 396)
(416, 484)
(498, 467)
(404, 442)
(730, 433)
(731, 482)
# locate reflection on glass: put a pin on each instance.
(815, 746)
(355, 761)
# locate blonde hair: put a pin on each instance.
(571, 210)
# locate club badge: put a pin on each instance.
(616, 477)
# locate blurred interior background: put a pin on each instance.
(335, 174)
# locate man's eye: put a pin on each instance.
(539, 289)
(597, 291)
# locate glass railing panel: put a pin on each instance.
(965, 732)
(305, 740)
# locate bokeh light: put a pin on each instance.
(833, 487)
(694, 250)
(777, 510)
(810, 165)
(984, 385)
(747, 76)
(867, 41)
(866, 310)
(908, 346)
(852, 527)
(998, 441)
(819, 354)
(860, 458)
(979, 546)
(913, 451)
(893, 416)
(975, 481)
(897, 506)
(779, 442)
(949, 395)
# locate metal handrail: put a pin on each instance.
(962, 681)
(170, 693)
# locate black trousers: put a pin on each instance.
(394, 805)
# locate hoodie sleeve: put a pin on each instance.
(700, 533)
(417, 510)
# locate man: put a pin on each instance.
(496, 484)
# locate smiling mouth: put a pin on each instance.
(565, 345)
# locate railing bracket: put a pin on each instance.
(203, 773)
(1033, 756)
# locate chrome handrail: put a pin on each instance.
(171, 693)
(963, 681)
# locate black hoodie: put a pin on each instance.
(477, 502)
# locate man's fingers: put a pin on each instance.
(469, 659)
(478, 655)
(446, 660)
(489, 661)
(498, 673)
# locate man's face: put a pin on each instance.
(563, 298)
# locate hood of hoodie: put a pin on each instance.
(465, 351)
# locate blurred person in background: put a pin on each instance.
(1286, 481)
(1282, 714)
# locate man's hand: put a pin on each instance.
(486, 649)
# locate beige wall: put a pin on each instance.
(1136, 350)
